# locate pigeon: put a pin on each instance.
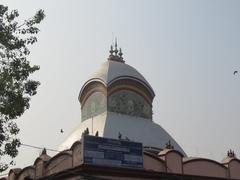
(61, 131)
(235, 72)
(119, 135)
(87, 132)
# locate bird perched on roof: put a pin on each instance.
(119, 135)
(235, 72)
(61, 131)
(87, 131)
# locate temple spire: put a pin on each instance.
(116, 49)
(115, 55)
(120, 53)
(231, 154)
(111, 50)
(169, 145)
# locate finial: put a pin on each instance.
(44, 151)
(115, 43)
(114, 55)
(231, 153)
(120, 53)
(116, 49)
(111, 50)
(169, 145)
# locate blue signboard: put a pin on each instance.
(112, 152)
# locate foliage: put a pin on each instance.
(16, 88)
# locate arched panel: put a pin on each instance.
(153, 163)
(204, 167)
(94, 105)
(59, 163)
(129, 103)
(27, 172)
(234, 169)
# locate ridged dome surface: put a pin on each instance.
(111, 71)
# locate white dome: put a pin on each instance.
(110, 124)
(111, 71)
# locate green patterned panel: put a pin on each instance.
(95, 104)
(129, 103)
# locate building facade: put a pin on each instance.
(116, 102)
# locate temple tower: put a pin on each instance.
(116, 102)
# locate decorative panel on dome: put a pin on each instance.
(129, 103)
(94, 105)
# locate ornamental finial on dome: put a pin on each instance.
(116, 49)
(231, 154)
(120, 53)
(169, 145)
(111, 50)
(116, 56)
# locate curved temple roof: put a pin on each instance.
(110, 124)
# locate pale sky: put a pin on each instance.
(187, 50)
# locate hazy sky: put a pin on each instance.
(187, 50)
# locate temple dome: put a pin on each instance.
(115, 100)
(111, 71)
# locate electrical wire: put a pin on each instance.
(36, 147)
